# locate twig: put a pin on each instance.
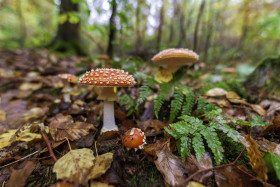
(45, 138)
(20, 159)
(213, 168)
(68, 143)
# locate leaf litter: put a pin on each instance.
(31, 91)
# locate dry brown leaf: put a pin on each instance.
(151, 125)
(235, 98)
(19, 177)
(64, 126)
(256, 159)
(94, 183)
(63, 184)
(272, 128)
(30, 86)
(2, 115)
(220, 102)
(268, 146)
(75, 166)
(258, 109)
(231, 176)
(35, 113)
(214, 92)
(169, 166)
(101, 164)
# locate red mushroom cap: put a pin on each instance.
(134, 138)
(107, 78)
(69, 77)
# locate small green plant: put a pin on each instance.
(128, 102)
(191, 132)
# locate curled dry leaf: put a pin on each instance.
(256, 159)
(273, 127)
(99, 184)
(19, 177)
(62, 126)
(35, 113)
(235, 98)
(75, 166)
(101, 164)
(214, 92)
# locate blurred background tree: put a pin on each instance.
(220, 31)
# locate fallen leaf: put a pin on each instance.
(151, 125)
(8, 138)
(268, 146)
(101, 164)
(35, 113)
(195, 184)
(30, 86)
(256, 159)
(62, 126)
(75, 166)
(235, 98)
(63, 184)
(231, 176)
(214, 92)
(272, 128)
(2, 115)
(258, 109)
(230, 70)
(169, 166)
(220, 102)
(94, 183)
(19, 177)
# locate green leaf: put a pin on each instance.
(189, 103)
(62, 18)
(184, 147)
(165, 90)
(198, 146)
(73, 17)
(272, 162)
(176, 104)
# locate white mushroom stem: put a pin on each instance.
(109, 123)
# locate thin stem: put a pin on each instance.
(109, 123)
(45, 138)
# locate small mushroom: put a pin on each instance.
(134, 138)
(170, 59)
(107, 79)
(67, 78)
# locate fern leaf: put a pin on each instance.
(183, 147)
(145, 91)
(214, 143)
(198, 146)
(176, 104)
(189, 103)
(162, 96)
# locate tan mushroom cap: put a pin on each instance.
(175, 57)
(107, 78)
(68, 77)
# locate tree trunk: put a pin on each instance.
(67, 38)
(137, 26)
(161, 23)
(112, 34)
(196, 30)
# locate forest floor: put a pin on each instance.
(33, 112)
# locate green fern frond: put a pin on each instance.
(176, 103)
(145, 91)
(198, 146)
(128, 102)
(189, 103)
(165, 91)
(203, 106)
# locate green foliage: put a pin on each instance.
(128, 102)
(182, 103)
(191, 132)
(146, 89)
(272, 162)
(165, 91)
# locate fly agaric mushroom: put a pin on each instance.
(67, 89)
(170, 59)
(134, 138)
(108, 79)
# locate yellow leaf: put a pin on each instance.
(235, 98)
(101, 164)
(216, 92)
(163, 75)
(30, 86)
(94, 183)
(195, 184)
(258, 109)
(2, 115)
(256, 159)
(9, 137)
(75, 166)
